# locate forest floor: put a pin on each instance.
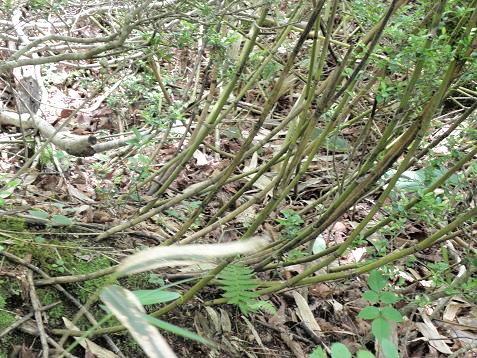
(52, 214)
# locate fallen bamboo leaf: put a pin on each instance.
(305, 314)
(87, 344)
(430, 332)
(129, 311)
(179, 255)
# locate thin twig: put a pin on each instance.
(60, 288)
(25, 318)
(36, 304)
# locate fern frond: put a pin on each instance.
(239, 285)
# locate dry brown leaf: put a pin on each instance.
(470, 322)
(305, 314)
(254, 331)
(465, 337)
(89, 345)
(214, 318)
(201, 158)
(74, 192)
(430, 332)
(263, 181)
(225, 321)
(451, 310)
(101, 216)
(26, 352)
(321, 290)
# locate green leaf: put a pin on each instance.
(39, 239)
(155, 279)
(411, 181)
(389, 297)
(14, 183)
(389, 348)
(137, 133)
(369, 312)
(381, 328)
(318, 352)
(377, 281)
(337, 144)
(150, 297)
(39, 214)
(371, 296)
(61, 220)
(169, 327)
(365, 354)
(263, 305)
(339, 350)
(334, 143)
(391, 314)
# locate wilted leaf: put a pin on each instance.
(305, 313)
(430, 331)
(319, 244)
(129, 311)
(176, 255)
(89, 345)
(74, 192)
(201, 158)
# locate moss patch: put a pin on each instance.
(87, 288)
(12, 224)
(6, 318)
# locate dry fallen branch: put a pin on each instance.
(37, 308)
(74, 144)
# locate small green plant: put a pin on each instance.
(291, 222)
(53, 220)
(59, 266)
(87, 288)
(239, 286)
(141, 164)
(6, 317)
(381, 318)
(48, 296)
(183, 212)
(7, 6)
(339, 350)
(155, 279)
(7, 189)
(295, 254)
